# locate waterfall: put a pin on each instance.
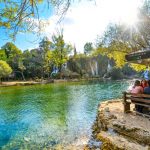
(55, 70)
(96, 68)
(64, 66)
(92, 69)
(109, 67)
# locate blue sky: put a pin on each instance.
(29, 40)
(82, 23)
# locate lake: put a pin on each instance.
(39, 116)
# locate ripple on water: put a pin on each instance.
(47, 115)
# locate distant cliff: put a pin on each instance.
(98, 66)
(89, 66)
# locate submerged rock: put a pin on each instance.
(26, 139)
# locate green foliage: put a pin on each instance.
(37, 63)
(3, 55)
(14, 55)
(81, 56)
(60, 50)
(115, 73)
(75, 65)
(114, 44)
(14, 58)
(128, 71)
(46, 55)
(119, 40)
(88, 47)
(5, 69)
(138, 67)
(20, 16)
(48, 62)
(45, 44)
(11, 50)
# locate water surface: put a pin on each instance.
(46, 115)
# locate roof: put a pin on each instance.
(139, 57)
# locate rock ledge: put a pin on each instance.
(119, 131)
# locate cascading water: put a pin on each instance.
(109, 67)
(94, 68)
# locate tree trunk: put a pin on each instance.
(59, 68)
(23, 76)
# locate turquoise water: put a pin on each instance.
(34, 117)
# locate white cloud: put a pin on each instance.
(87, 19)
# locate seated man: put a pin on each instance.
(144, 83)
(147, 91)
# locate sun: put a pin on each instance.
(129, 16)
(130, 19)
(125, 11)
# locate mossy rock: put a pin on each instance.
(107, 144)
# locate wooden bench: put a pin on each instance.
(137, 99)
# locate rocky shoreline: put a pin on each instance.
(25, 83)
(114, 130)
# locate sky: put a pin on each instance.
(83, 22)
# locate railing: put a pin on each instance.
(137, 99)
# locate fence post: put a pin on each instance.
(125, 103)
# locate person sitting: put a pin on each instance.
(137, 89)
(144, 83)
(147, 91)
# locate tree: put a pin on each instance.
(37, 62)
(23, 16)
(88, 47)
(74, 51)
(10, 50)
(3, 55)
(46, 55)
(21, 68)
(48, 63)
(61, 50)
(27, 57)
(142, 34)
(14, 58)
(33, 63)
(45, 45)
(115, 44)
(5, 69)
(118, 40)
